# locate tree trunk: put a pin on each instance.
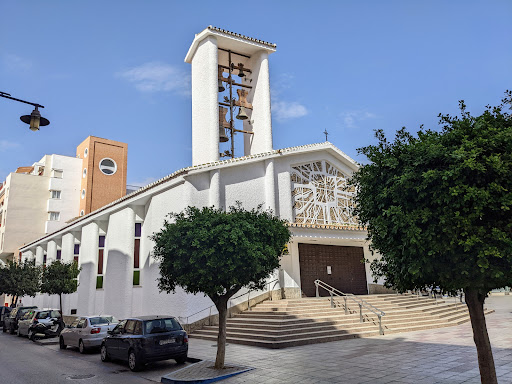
(222, 307)
(60, 300)
(475, 303)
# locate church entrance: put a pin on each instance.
(338, 266)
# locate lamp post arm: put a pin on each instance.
(8, 96)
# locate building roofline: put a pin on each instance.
(214, 31)
(212, 165)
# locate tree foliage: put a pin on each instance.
(437, 207)
(20, 279)
(60, 278)
(217, 253)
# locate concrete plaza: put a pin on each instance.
(445, 355)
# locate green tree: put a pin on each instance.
(217, 253)
(60, 278)
(438, 210)
(20, 279)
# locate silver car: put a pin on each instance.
(34, 316)
(86, 332)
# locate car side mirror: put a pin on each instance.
(110, 332)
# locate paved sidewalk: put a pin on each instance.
(445, 355)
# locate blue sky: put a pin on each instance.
(115, 69)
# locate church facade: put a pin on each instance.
(306, 186)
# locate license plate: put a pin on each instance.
(167, 341)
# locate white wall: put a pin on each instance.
(69, 203)
(258, 181)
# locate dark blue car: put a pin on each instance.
(144, 339)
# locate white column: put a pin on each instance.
(205, 108)
(259, 97)
(26, 256)
(39, 255)
(285, 208)
(89, 264)
(118, 280)
(214, 191)
(51, 252)
(270, 188)
(68, 247)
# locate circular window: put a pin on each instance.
(108, 166)
(85, 173)
(83, 194)
(82, 212)
(86, 152)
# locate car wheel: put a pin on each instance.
(4, 329)
(81, 346)
(134, 362)
(61, 343)
(104, 353)
(181, 359)
(31, 336)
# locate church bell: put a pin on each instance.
(241, 70)
(242, 115)
(222, 134)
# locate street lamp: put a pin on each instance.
(34, 120)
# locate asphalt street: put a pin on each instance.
(24, 362)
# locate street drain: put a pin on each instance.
(80, 377)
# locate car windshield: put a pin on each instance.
(26, 313)
(102, 320)
(161, 325)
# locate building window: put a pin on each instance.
(83, 194)
(108, 166)
(59, 254)
(99, 278)
(54, 216)
(82, 212)
(136, 254)
(57, 173)
(55, 194)
(76, 252)
(84, 173)
(44, 260)
(86, 152)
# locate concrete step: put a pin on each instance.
(290, 343)
(286, 323)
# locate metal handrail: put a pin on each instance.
(232, 298)
(360, 302)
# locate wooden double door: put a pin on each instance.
(340, 267)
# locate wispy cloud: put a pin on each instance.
(352, 118)
(157, 77)
(6, 145)
(283, 109)
(14, 62)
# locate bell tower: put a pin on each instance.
(230, 94)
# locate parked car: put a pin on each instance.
(87, 332)
(4, 312)
(11, 322)
(35, 316)
(144, 339)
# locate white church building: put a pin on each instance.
(304, 185)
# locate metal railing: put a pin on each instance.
(360, 302)
(434, 293)
(248, 293)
